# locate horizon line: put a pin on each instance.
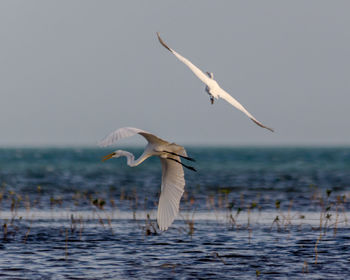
(265, 145)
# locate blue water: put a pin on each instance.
(283, 173)
(236, 181)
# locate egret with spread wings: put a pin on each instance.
(212, 87)
(170, 154)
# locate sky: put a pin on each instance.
(73, 71)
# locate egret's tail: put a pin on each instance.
(175, 154)
(184, 165)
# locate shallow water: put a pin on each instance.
(54, 227)
(54, 249)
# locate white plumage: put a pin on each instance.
(212, 87)
(173, 181)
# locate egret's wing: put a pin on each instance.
(151, 138)
(204, 78)
(175, 148)
(224, 95)
(173, 184)
(125, 132)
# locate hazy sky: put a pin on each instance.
(73, 71)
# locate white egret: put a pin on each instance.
(212, 87)
(173, 181)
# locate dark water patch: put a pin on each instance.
(14, 269)
(237, 256)
(193, 252)
(161, 243)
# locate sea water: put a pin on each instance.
(272, 213)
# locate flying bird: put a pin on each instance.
(170, 154)
(212, 87)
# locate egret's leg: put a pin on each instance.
(175, 154)
(184, 165)
(212, 99)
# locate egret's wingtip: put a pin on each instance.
(261, 125)
(163, 228)
(268, 128)
(162, 42)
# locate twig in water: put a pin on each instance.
(66, 248)
(317, 241)
(336, 217)
(150, 225)
(277, 222)
(305, 268)
(216, 255)
(5, 231)
(27, 233)
(81, 226)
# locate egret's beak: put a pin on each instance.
(108, 156)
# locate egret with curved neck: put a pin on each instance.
(173, 180)
(130, 158)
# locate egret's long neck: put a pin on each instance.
(131, 158)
